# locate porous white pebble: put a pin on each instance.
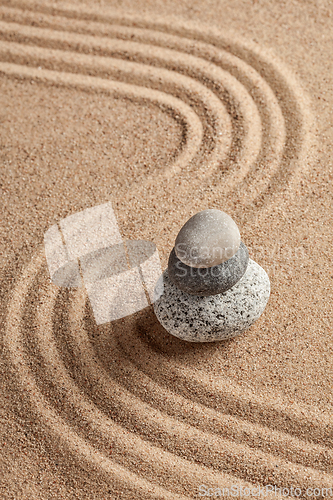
(216, 317)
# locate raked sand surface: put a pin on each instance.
(164, 109)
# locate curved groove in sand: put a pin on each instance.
(239, 456)
(49, 419)
(219, 420)
(272, 105)
(99, 433)
(83, 424)
(214, 116)
(194, 133)
(141, 369)
(165, 69)
(272, 118)
(300, 419)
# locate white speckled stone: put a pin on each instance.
(216, 317)
(207, 239)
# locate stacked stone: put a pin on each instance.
(212, 290)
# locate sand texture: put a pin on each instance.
(164, 109)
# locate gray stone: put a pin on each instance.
(207, 239)
(210, 280)
(217, 317)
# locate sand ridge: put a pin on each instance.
(245, 124)
(100, 415)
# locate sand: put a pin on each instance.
(165, 109)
